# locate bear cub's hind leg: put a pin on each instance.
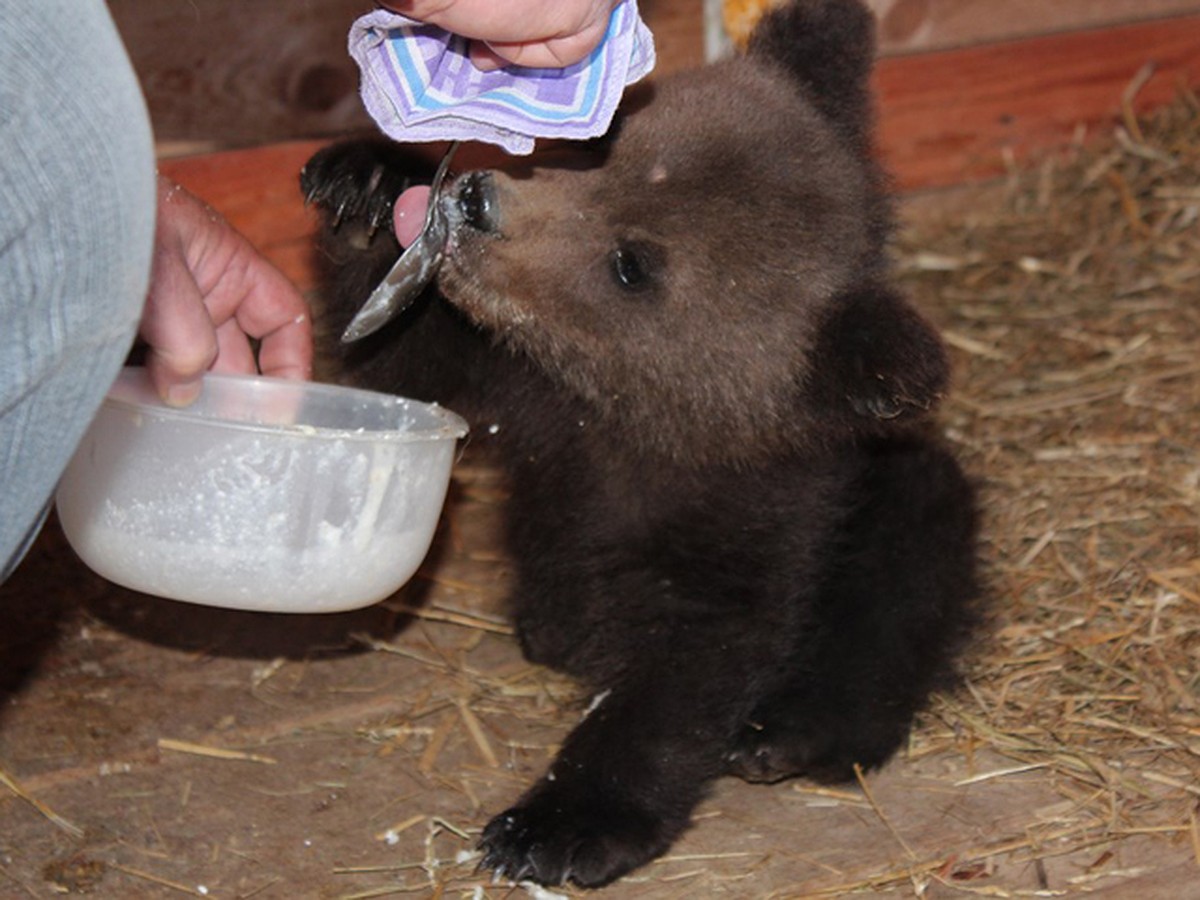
(893, 614)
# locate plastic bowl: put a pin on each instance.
(265, 494)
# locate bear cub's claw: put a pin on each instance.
(552, 837)
(359, 181)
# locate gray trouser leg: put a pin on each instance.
(76, 230)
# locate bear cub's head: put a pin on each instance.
(711, 275)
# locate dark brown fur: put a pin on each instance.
(728, 512)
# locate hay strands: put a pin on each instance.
(65, 825)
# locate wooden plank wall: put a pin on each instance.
(235, 73)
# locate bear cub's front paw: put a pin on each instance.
(360, 181)
(554, 836)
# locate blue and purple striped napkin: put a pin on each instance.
(419, 84)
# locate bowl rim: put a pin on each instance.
(451, 425)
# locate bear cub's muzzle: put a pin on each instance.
(474, 204)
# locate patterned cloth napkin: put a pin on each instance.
(419, 84)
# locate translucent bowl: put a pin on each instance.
(265, 494)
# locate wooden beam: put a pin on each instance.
(917, 26)
(952, 116)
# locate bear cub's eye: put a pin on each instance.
(632, 267)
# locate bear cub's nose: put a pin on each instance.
(477, 202)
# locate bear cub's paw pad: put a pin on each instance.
(552, 839)
(764, 754)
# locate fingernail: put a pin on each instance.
(182, 394)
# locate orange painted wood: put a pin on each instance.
(918, 26)
(950, 117)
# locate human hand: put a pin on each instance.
(210, 293)
(535, 33)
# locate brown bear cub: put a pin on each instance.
(730, 515)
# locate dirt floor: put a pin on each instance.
(153, 749)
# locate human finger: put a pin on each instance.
(517, 23)
(555, 53)
(274, 313)
(178, 331)
(234, 352)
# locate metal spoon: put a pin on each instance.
(413, 271)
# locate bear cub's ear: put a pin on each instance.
(828, 47)
(876, 360)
